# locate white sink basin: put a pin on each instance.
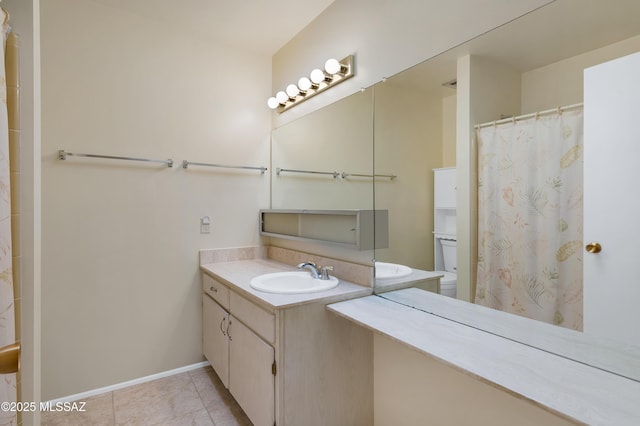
(391, 270)
(292, 282)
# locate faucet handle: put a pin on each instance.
(324, 274)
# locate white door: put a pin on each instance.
(612, 199)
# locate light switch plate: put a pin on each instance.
(205, 225)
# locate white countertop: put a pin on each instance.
(614, 356)
(560, 385)
(416, 276)
(238, 274)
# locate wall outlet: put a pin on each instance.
(205, 225)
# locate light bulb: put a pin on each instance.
(281, 97)
(272, 102)
(304, 84)
(292, 90)
(317, 76)
(332, 66)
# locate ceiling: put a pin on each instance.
(562, 29)
(260, 26)
(559, 30)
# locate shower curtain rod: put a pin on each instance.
(558, 110)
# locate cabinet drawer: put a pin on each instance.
(218, 291)
(257, 319)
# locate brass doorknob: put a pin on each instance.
(593, 247)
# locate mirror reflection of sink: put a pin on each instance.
(391, 270)
(292, 282)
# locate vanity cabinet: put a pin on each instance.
(251, 374)
(215, 344)
(242, 359)
(293, 364)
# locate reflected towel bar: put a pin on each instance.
(62, 155)
(346, 175)
(334, 174)
(186, 164)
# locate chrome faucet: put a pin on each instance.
(316, 272)
(312, 267)
(324, 273)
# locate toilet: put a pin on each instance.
(448, 282)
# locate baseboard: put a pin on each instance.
(94, 392)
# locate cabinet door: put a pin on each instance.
(215, 344)
(445, 188)
(252, 382)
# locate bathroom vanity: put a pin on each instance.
(284, 358)
(308, 358)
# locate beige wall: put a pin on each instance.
(414, 389)
(408, 143)
(560, 83)
(449, 131)
(121, 290)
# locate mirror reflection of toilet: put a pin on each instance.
(448, 282)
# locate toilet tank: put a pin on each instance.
(449, 255)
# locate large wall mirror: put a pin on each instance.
(316, 158)
(324, 161)
(403, 128)
(530, 65)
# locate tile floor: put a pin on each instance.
(195, 397)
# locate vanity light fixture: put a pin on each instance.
(272, 102)
(292, 91)
(318, 76)
(319, 80)
(281, 97)
(332, 66)
(305, 84)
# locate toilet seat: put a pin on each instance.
(448, 284)
(449, 278)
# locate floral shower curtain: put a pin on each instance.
(530, 217)
(7, 319)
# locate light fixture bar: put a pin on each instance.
(345, 72)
